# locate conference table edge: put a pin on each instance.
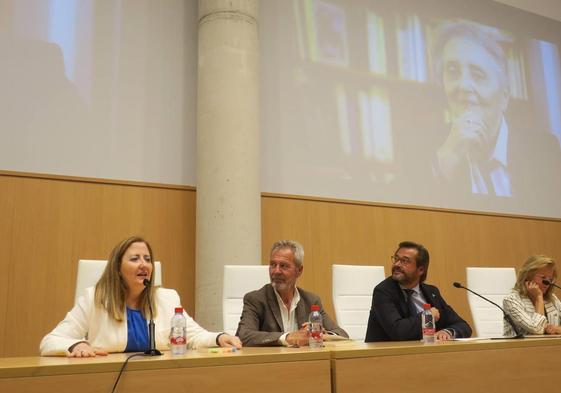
(394, 348)
(46, 366)
(50, 366)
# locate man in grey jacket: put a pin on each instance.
(277, 313)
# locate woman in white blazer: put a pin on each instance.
(112, 316)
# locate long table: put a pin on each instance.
(251, 370)
(462, 366)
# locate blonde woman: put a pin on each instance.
(531, 303)
(113, 315)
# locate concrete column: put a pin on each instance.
(228, 176)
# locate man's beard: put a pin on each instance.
(404, 278)
(279, 286)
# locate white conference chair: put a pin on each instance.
(352, 296)
(89, 272)
(239, 280)
(493, 283)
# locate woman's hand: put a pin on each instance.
(536, 296)
(552, 329)
(84, 350)
(534, 291)
(225, 340)
(468, 137)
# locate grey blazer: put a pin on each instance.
(261, 321)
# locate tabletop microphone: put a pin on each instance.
(505, 315)
(152, 351)
(547, 282)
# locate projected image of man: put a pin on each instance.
(473, 71)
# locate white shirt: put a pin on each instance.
(289, 323)
(492, 177)
(417, 297)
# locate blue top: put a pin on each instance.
(137, 340)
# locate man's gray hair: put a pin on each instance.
(490, 39)
(294, 246)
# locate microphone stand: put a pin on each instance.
(507, 317)
(152, 351)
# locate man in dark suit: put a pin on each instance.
(397, 301)
(277, 314)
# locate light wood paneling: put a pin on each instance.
(449, 367)
(274, 378)
(47, 225)
(367, 234)
(250, 370)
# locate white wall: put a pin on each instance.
(99, 89)
(548, 8)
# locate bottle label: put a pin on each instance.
(427, 331)
(180, 340)
(316, 334)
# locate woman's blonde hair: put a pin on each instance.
(110, 290)
(528, 271)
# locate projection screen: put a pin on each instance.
(438, 103)
(448, 104)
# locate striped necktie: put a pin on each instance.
(410, 304)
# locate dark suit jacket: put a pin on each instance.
(390, 319)
(261, 320)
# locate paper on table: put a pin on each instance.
(476, 338)
(503, 337)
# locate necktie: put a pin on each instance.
(410, 304)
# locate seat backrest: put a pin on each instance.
(352, 296)
(494, 283)
(90, 270)
(239, 280)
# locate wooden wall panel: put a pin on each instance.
(365, 234)
(47, 225)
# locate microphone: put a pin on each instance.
(547, 282)
(506, 316)
(152, 351)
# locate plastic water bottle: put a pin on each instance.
(178, 334)
(315, 339)
(427, 325)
